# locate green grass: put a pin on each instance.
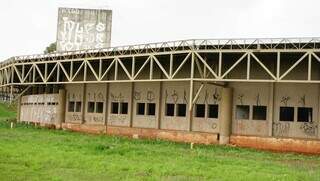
(29, 153)
(7, 111)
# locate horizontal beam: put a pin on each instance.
(20, 74)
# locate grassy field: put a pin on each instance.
(7, 111)
(29, 153)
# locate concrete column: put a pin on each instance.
(61, 110)
(106, 108)
(160, 105)
(225, 121)
(271, 105)
(190, 109)
(131, 104)
(84, 104)
(318, 112)
(18, 108)
(11, 94)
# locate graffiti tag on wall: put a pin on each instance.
(240, 98)
(76, 117)
(137, 95)
(309, 129)
(281, 129)
(175, 96)
(150, 96)
(216, 97)
(302, 100)
(78, 35)
(97, 119)
(119, 97)
(285, 100)
(118, 119)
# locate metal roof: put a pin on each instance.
(191, 44)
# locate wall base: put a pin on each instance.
(263, 143)
(44, 125)
(178, 136)
(277, 144)
(93, 129)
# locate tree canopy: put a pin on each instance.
(51, 48)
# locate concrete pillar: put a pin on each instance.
(131, 104)
(160, 105)
(225, 115)
(271, 105)
(106, 108)
(18, 108)
(84, 104)
(190, 109)
(61, 108)
(11, 94)
(318, 122)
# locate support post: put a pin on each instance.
(61, 108)
(271, 108)
(84, 103)
(18, 108)
(225, 122)
(132, 102)
(106, 115)
(160, 105)
(191, 92)
(318, 111)
(11, 94)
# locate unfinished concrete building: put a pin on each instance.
(261, 93)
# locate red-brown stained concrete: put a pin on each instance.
(94, 129)
(264, 143)
(277, 144)
(178, 136)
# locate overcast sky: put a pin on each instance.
(27, 27)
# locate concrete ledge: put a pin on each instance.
(277, 144)
(178, 136)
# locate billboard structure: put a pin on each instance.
(80, 29)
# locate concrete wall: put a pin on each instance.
(119, 93)
(146, 93)
(95, 94)
(74, 94)
(80, 29)
(175, 93)
(272, 132)
(274, 96)
(269, 95)
(250, 94)
(40, 108)
(210, 95)
(296, 95)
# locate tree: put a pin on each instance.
(51, 48)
